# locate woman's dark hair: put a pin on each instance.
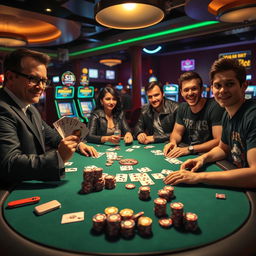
(224, 64)
(115, 94)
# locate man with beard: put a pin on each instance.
(198, 121)
(157, 118)
(238, 140)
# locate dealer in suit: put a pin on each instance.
(24, 136)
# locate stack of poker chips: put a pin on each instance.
(144, 226)
(113, 225)
(99, 222)
(170, 189)
(160, 207)
(126, 214)
(162, 193)
(177, 214)
(144, 193)
(127, 228)
(92, 180)
(110, 182)
(190, 221)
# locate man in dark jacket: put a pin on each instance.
(157, 118)
(24, 136)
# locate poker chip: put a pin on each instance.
(126, 214)
(130, 186)
(128, 162)
(111, 210)
(165, 222)
(137, 216)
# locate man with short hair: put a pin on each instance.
(238, 140)
(157, 117)
(24, 136)
(198, 121)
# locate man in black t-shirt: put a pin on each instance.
(198, 121)
(238, 140)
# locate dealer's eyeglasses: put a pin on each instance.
(34, 80)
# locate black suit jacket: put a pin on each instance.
(23, 154)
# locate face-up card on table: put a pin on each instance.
(70, 169)
(158, 176)
(166, 171)
(145, 179)
(144, 169)
(120, 177)
(72, 217)
(126, 168)
(68, 163)
(134, 176)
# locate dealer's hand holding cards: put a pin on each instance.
(67, 126)
(73, 133)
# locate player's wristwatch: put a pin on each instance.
(191, 149)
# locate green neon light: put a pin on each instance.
(140, 38)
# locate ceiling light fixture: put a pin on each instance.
(233, 10)
(110, 62)
(12, 40)
(133, 14)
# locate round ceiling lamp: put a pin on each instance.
(133, 14)
(12, 40)
(233, 11)
(110, 62)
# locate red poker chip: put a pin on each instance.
(165, 222)
(130, 186)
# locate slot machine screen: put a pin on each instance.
(87, 108)
(66, 109)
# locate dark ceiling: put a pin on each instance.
(93, 35)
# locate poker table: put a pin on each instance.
(226, 227)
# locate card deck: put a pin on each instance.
(47, 207)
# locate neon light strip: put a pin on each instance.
(140, 38)
(152, 51)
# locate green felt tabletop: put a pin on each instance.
(216, 218)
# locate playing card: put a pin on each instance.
(144, 169)
(129, 150)
(68, 163)
(149, 146)
(166, 172)
(158, 176)
(145, 179)
(72, 217)
(126, 168)
(134, 176)
(120, 177)
(70, 169)
(100, 154)
(67, 126)
(135, 146)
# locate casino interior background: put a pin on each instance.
(190, 36)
